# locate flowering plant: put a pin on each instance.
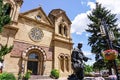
(110, 54)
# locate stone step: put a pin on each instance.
(44, 77)
(39, 77)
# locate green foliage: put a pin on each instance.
(88, 68)
(118, 62)
(100, 64)
(55, 73)
(96, 41)
(27, 74)
(5, 50)
(7, 76)
(4, 17)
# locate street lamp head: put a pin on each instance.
(111, 35)
(102, 30)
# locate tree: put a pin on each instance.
(96, 41)
(88, 68)
(4, 16)
(4, 19)
(4, 50)
(99, 65)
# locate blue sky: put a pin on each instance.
(77, 11)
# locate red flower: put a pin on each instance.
(110, 54)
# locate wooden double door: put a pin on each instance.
(35, 64)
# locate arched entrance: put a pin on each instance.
(32, 63)
(35, 62)
(34, 59)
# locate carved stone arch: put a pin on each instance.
(67, 56)
(24, 54)
(12, 8)
(67, 62)
(60, 28)
(65, 29)
(61, 57)
(29, 59)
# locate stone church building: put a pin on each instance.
(41, 42)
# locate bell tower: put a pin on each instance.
(10, 30)
(13, 9)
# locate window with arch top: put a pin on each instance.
(64, 60)
(33, 56)
(61, 60)
(60, 29)
(7, 9)
(62, 63)
(65, 30)
(67, 62)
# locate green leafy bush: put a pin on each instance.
(55, 74)
(7, 76)
(27, 74)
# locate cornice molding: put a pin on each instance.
(36, 21)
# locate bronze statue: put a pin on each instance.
(77, 59)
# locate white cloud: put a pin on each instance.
(86, 53)
(89, 55)
(79, 24)
(91, 4)
(113, 5)
(90, 62)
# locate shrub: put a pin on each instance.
(55, 74)
(7, 76)
(27, 74)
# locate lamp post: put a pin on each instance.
(109, 36)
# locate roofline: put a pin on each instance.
(65, 16)
(35, 10)
(25, 17)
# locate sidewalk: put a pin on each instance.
(50, 79)
(34, 77)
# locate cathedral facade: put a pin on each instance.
(41, 43)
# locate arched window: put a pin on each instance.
(60, 29)
(64, 60)
(38, 17)
(33, 56)
(7, 9)
(62, 63)
(67, 63)
(61, 60)
(65, 31)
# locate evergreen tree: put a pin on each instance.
(4, 16)
(4, 50)
(97, 42)
(4, 19)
